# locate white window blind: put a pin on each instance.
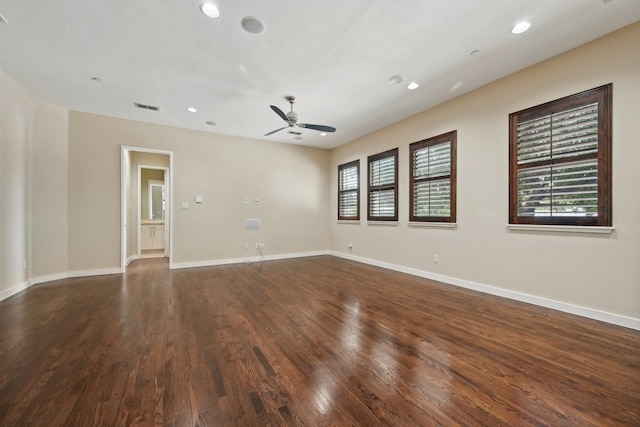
(383, 171)
(432, 179)
(348, 190)
(567, 184)
(432, 197)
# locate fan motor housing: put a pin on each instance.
(292, 116)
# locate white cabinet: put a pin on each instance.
(151, 237)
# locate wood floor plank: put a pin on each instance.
(317, 341)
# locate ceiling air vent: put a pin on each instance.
(146, 107)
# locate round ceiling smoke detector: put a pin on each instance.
(253, 25)
(394, 80)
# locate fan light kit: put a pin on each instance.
(192, 109)
(413, 85)
(292, 119)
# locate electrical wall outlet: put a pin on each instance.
(436, 259)
(259, 245)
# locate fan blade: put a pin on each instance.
(274, 131)
(321, 128)
(280, 113)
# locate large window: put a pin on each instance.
(383, 186)
(560, 161)
(433, 179)
(349, 191)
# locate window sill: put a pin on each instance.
(561, 228)
(349, 221)
(433, 224)
(382, 222)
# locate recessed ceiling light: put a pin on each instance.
(413, 85)
(474, 52)
(211, 123)
(192, 109)
(520, 27)
(323, 134)
(252, 25)
(209, 9)
(394, 80)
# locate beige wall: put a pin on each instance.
(16, 121)
(33, 189)
(49, 189)
(290, 181)
(600, 272)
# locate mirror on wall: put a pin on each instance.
(152, 194)
(156, 200)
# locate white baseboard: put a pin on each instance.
(47, 278)
(249, 260)
(60, 276)
(616, 319)
(13, 290)
(97, 272)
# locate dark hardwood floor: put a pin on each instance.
(305, 342)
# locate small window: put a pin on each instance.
(560, 161)
(383, 186)
(349, 191)
(432, 193)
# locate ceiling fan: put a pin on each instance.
(292, 119)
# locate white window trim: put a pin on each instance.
(561, 228)
(394, 223)
(432, 224)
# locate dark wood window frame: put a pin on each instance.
(602, 96)
(416, 147)
(344, 191)
(379, 189)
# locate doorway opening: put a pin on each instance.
(147, 214)
(152, 215)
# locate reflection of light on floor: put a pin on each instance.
(438, 380)
(324, 385)
(350, 334)
(388, 363)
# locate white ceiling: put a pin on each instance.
(335, 56)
